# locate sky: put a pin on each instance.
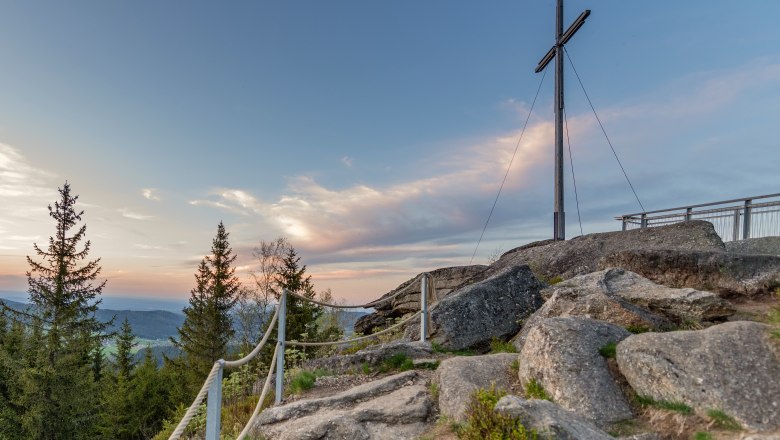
(373, 135)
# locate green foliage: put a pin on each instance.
(302, 381)
(365, 368)
(58, 388)
(398, 361)
(515, 366)
(637, 329)
(609, 350)
(499, 346)
(208, 326)
(773, 317)
(535, 390)
(678, 407)
(124, 350)
(434, 389)
(437, 348)
(723, 421)
(484, 423)
(702, 436)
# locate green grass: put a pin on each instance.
(499, 346)
(677, 407)
(702, 436)
(302, 381)
(723, 421)
(609, 350)
(515, 366)
(773, 317)
(636, 329)
(397, 361)
(484, 423)
(437, 348)
(535, 390)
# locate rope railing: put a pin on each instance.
(213, 383)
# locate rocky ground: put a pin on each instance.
(647, 334)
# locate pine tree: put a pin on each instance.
(301, 315)
(60, 393)
(124, 351)
(208, 326)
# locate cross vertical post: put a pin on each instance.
(561, 37)
(281, 334)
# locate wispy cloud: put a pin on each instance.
(150, 194)
(126, 213)
(347, 161)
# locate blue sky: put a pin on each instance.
(373, 135)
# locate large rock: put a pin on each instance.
(444, 281)
(396, 407)
(755, 246)
(550, 420)
(472, 316)
(562, 354)
(724, 273)
(733, 367)
(550, 259)
(458, 377)
(599, 296)
(371, 356)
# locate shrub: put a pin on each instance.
(302, 381)
(499, 346)
(702, 436)
(609, 350)
(484, 423)
(398, 361)
(723, 420)
(535, 390)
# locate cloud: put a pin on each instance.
(346, 160)
(150, 194)
(126, 213)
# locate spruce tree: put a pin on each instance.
(208, 326)
(301, 315)
(124, 351)
(60, 393)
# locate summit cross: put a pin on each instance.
(561, 37)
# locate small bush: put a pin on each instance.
(723, 420)
(535, 390)
(609, 350)
(499, 346)
(484, 423)
(302, 381)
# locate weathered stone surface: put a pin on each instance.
(562, 354)
(580, 255)
(396, 407)
(755, 246)
(472, 316)
(550, 420)
(721, 272)
(599, 296)
(733, 367)
(643, 436)
(457, 378)
(372, 355)
(444, 281)
(762, 437)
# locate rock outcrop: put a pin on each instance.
(444, 281)
(601, 296)
(566, 259)
(755, 246)
(396, 407)
(372, 355)
(473, 315)
(562, 354)
(721, 272)
(457, 378)
(550, 420)
(732, 367)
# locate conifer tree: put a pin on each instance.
(124, 351)
(60, 393)
(301, 315)
(208, 326)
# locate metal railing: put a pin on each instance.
(212, 387)
(735, 219)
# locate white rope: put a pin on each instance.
(195, 404)
(347, 341)
(266, 387)
(358, 306)
(250, 356)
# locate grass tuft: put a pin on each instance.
(723, 421)
(482, 422)
(499, 346)
(677, 407)
(302, 381)
(535, 390)
(637, 329)
(609, 351)
(702, 436)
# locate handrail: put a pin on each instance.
(700, 205)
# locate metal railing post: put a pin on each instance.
(643, 223)
(735, 234)
(624, 223)
(746, 219)
(424, 307)
(688, 214)
(280, 352)
(214, 404)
